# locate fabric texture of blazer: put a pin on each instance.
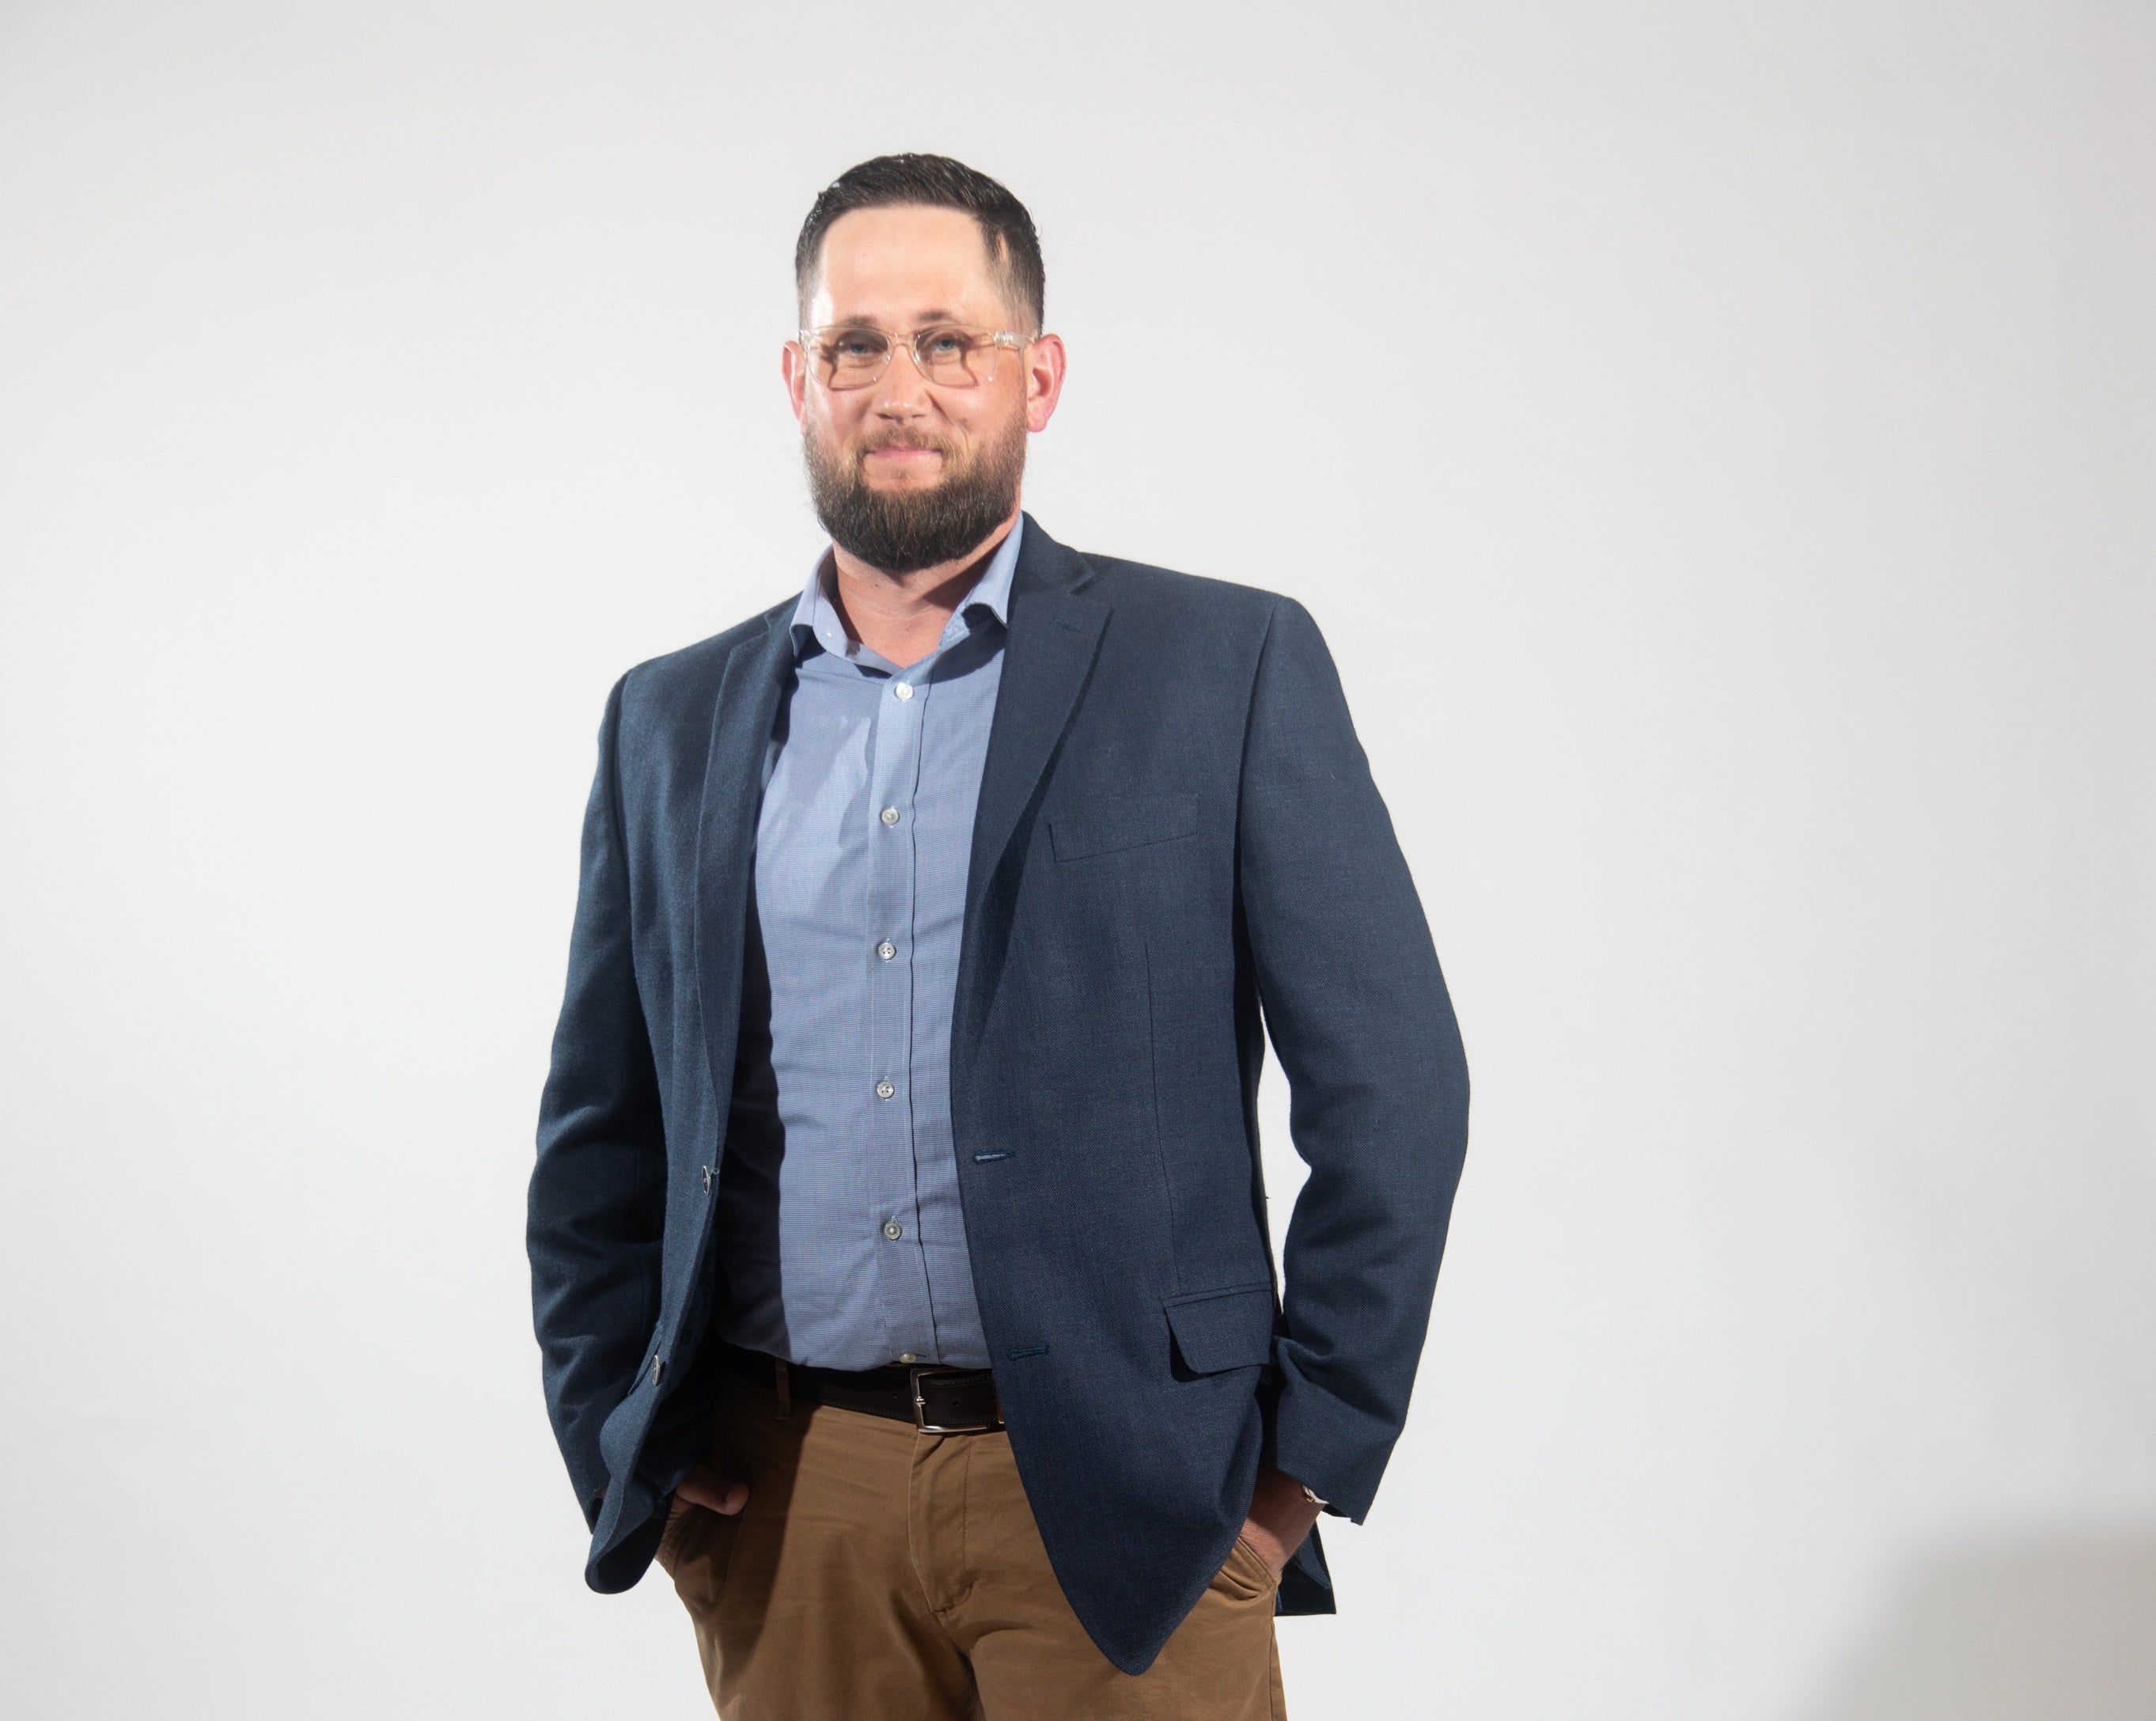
(1177, 851)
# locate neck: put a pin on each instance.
(902, 616)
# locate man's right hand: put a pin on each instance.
(704, 1487)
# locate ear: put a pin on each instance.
(1044, 380)
(794, 366)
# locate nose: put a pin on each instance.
(901, 392)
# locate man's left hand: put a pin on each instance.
(1281, 1517)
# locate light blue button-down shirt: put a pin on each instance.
(841, 1230)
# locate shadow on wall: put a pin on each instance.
(2057, 1626)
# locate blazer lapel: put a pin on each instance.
(1048, 652)
(725, 835)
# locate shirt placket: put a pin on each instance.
(895, 771)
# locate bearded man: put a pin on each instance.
(899, 1253)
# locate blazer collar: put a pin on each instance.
(741, 720)
(1055, 632)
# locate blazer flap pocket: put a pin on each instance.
(1124, 822)
(1223, 1329)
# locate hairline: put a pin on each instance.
(1002, 255)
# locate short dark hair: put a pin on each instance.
(936, 183)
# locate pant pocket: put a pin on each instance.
(679, 1524)
(1246, 1572)
(695, 1554)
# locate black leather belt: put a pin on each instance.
(936, 1401)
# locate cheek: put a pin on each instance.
(836, 430)
(988, 415)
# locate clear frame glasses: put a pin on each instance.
(850, 356)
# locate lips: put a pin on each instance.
(903, 448)
(907, 456)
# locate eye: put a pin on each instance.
(855, 346)
(946, 343)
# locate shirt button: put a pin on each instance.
(893, 1229)
(889, 815)
(907, 1356)
(904, 690)
(885, 1090)
(886, 950)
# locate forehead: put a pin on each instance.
(897, 266)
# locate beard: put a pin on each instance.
(903, 531)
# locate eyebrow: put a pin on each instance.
(927, 320)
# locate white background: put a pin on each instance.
(1718, 441)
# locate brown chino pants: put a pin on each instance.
(880, 1573)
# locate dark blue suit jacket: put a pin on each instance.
(1177, 833)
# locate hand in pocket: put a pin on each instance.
(703, 1487)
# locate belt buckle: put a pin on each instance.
(921, 1421)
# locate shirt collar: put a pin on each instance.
(816, 618)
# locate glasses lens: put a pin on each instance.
(956, 358)
(851, 358)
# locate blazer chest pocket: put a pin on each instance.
(1223, 1329)
(1125, 822)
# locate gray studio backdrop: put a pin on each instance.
(1718, 441)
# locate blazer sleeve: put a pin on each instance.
(1358, 1012)
(596, 1213)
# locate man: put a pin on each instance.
(899, 1244)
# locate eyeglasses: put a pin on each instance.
(949, 356)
